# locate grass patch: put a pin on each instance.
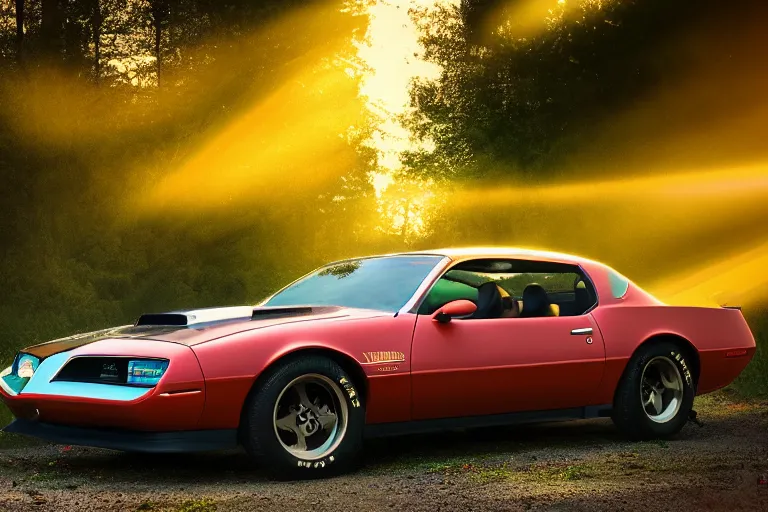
(753, 381)
(10, 441)
(432, 464)
(5, 416)
(203, 505)
(490, 473)
(650, 444)
(44, 476)
(538, 472)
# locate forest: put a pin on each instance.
(165, 154)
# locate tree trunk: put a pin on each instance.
(158, 34)
(19, 29)
(160, 10)
(96, 23)
(50, 27)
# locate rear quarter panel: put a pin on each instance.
(232, 364)
(721, 337)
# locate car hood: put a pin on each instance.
(200, 325)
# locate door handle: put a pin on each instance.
(582, 331)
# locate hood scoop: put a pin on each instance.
(196, 317)
(265, 313)
(241, 313)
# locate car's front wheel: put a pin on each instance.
(655, 395)
(305, 419)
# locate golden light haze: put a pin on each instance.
(292, 139)
(673, 191)
(737, 279)
(391, 54)
(525, 19)
(689, 237)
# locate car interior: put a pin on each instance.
(540, 289)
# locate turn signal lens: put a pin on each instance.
(146, 372)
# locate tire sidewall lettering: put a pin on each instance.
(354, 398)
(683, 365)
(316, 464)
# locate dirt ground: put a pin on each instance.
(582, 465)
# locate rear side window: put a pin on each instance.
(564, 286)
(619, 284)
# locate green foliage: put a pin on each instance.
(753, 381)
(509, 103)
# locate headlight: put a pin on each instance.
(145, 372)
(17, 376)
(26, 366)
(115, 370)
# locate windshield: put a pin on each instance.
(384, 283)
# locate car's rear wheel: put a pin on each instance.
(655, 395)
(305, 419)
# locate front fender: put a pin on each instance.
(231, 365)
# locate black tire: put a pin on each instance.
(259, 434)
(629, 413)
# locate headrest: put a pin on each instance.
(581, 293)
(488, 301)
(535, 298)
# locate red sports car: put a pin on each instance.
(383, 345)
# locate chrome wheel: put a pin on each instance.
(661, 389)
(310, 416)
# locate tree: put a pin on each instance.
(511, 105)
(19, 30)
(160, 15)
(96, 21)
(50, 27)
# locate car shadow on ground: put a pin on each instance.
(380, 455)
(485, 443)
(422, 452)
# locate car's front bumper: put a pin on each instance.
(125, 440)
(175, 404)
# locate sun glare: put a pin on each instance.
(391, 53)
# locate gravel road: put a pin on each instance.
(580, 465)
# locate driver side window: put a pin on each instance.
(514, 288)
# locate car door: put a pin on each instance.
(492, 366)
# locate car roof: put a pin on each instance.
(461, 253)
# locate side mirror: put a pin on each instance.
(454, 309)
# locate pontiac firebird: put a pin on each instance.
(383, 345)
